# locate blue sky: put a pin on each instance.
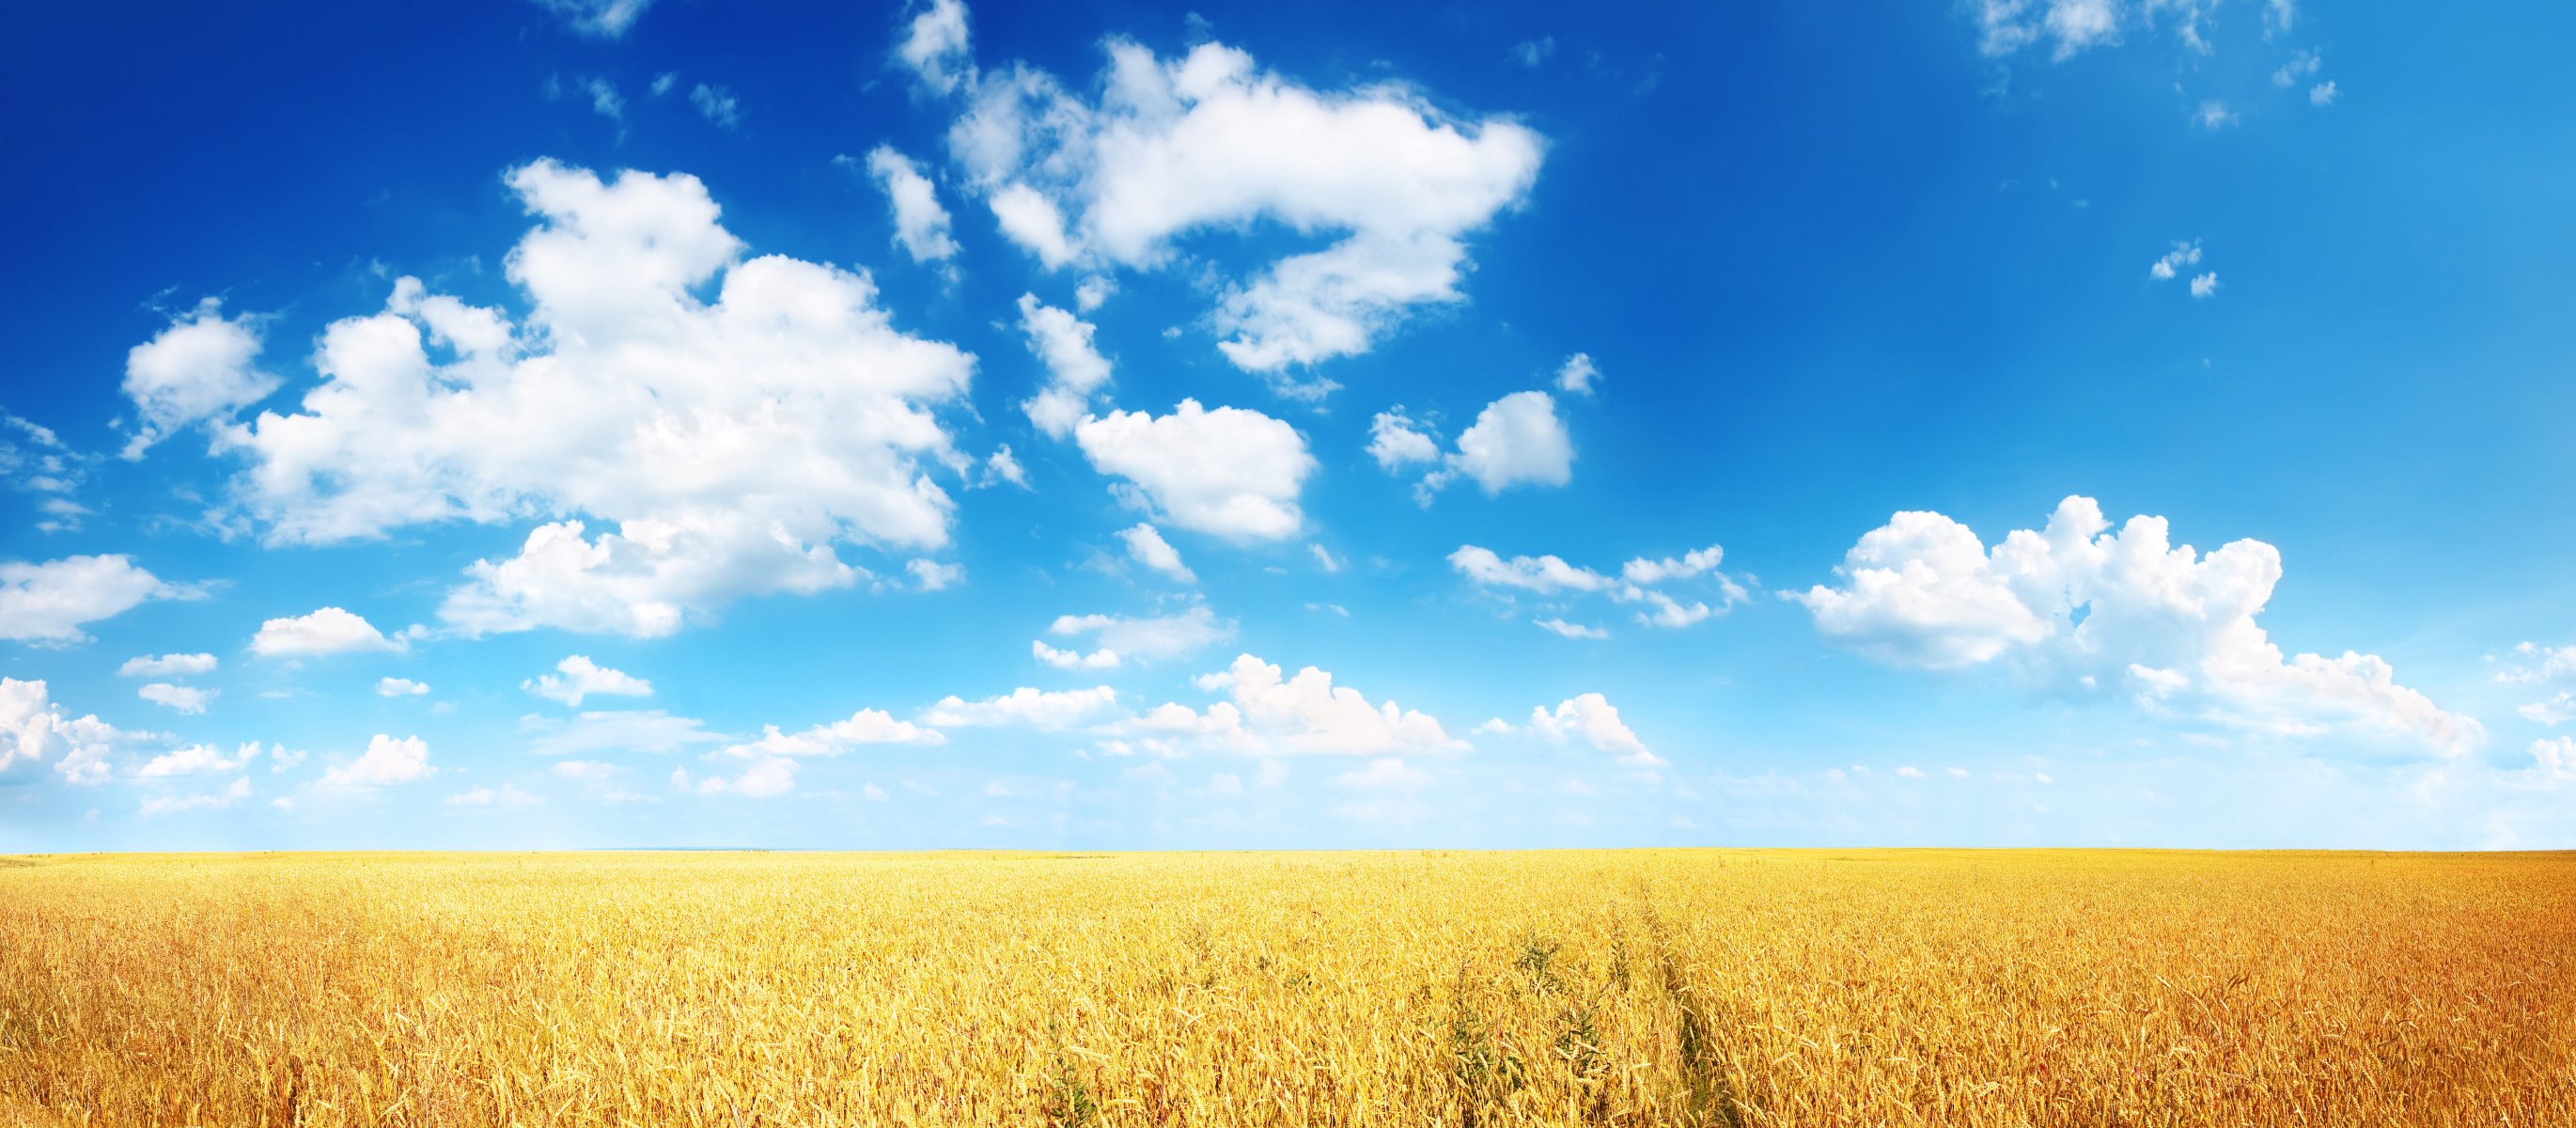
(2073, 422)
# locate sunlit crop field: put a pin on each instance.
(1649, 987)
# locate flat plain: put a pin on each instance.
(1686, 987)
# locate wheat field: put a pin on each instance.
(1610, 987)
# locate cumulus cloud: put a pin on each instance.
(1641, 581)
(1102, 659)
(198, 759)
(167, 666)
(1075, 369)
(921, 224)
(34, 728)
(1577, 375)
(581, 678)
(1392, 184)
(1146, 546)
(725, 440)
(1231, 472)
(1148, 638)
(328, 630)
(2204, 285)
(867, 726)
(199, 370)
(935, 47)
(48, 602)
(616, 730)
(1396, 441)
(400, 687)
(2083, 610)
(1589, 718)
(1308, 715)
(1517, 440)
(1040, 709)
(386, 761)
(2185, 254)
(186, 699)
(933, 575)
(2554, 760)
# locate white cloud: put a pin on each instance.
(33, 728)
(186, 699)
(1102, 659)
(1034, 222)
(1146, 546)
(2555, 760)
(158, 805)
(48, 602)
(2303, 64)
(1396, 441)
(2214, 114)
(1577, 375)
(932, 575)
(2322, 94)
(167, 666)
(400, 687)
(1532, 52)
(605, 19)
(725, 445)
(508, 796)
(717, 105)
(1324, 559)
(1155, 637)
(921, 225)
(583, 678)
(199, 370)
(1546, 575)
(604, 100)
(2544, 665)
(198, 759)
(620, 730)
(386, 761)
(2082, 610)
(1516, 440)
(1591, 719)
(763, 779)
(1002, 467)
(328, 630)
(35, 460)
(663, 82)
(1640, 581)
(935, 47)
(1308, 714)
(1093, 292)
(590, 772)
(2185, 254)
(1230, 472)
(2071, 27)
(1210, 142)
(1050, 711)
(1075, 369)
(867, 726)
(1697, 562)
(2205, 285)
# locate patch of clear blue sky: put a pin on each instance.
(1831, 267)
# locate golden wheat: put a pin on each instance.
(1652, 987)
